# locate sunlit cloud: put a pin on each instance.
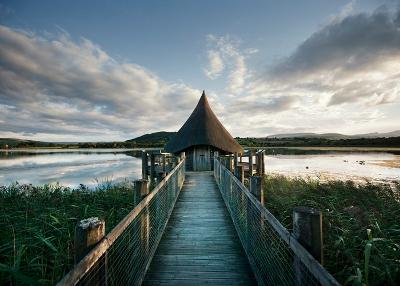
(54, 85)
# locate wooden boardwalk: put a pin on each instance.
(200, 245)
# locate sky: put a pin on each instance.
(114, 70)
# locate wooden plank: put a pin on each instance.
(200, 244)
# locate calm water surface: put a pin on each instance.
(85, 166)
(68, 167)
(372, 166)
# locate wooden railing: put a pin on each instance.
(275, 256)
(123, 256)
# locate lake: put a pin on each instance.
(91, 166)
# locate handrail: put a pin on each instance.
(309, 263)
(93, 257)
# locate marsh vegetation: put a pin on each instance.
(37, 227)
(361, 226)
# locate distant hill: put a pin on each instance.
(156, 137)
(159, 139)
(22, 143)
(336, 136)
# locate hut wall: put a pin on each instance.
(199, 158)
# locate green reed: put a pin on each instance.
(361, 225)
(37, 227)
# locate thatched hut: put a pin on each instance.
(200, 136)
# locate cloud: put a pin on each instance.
(263, 106)
(216, 65)
(225, 54)
(354, 59)
(53, 85)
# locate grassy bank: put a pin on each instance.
(361, 225)
(37, 227)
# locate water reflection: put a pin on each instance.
(371, 166)
(68, 167)
(90, 166)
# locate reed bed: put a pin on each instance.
(361, 225)
(37, 227)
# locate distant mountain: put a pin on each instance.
(162, 136)
(336, 136)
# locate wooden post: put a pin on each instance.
(235, 164)
(141, 189)
(256, 187)
(88, 232)
(259, 162)
(164, 163)
(240, 173)
(145, 230)
(152, 166)
(144, 164)
(251, 163)
(307, 229)
(263, 163)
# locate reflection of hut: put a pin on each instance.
(200, 136)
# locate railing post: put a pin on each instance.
(144, 164)
(152, 166)
(141, 189)
(259, 162)
(164, 163)
(145, 230)
(229, 163)
(240, 173)
(251, 163)
(235, 164)
(307, 229)
(256, 188)
(89, 232)
(263, 163)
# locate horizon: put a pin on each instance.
(102, 71)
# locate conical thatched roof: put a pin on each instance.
(203, 128)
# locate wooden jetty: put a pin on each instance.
(200, 224)
(200, 244)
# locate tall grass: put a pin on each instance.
(37, 227)
(361, 226)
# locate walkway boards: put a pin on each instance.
(200, 245)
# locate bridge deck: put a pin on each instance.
(200, 244)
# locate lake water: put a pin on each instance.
(371, 166)
(68, 167)
(88, 167)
